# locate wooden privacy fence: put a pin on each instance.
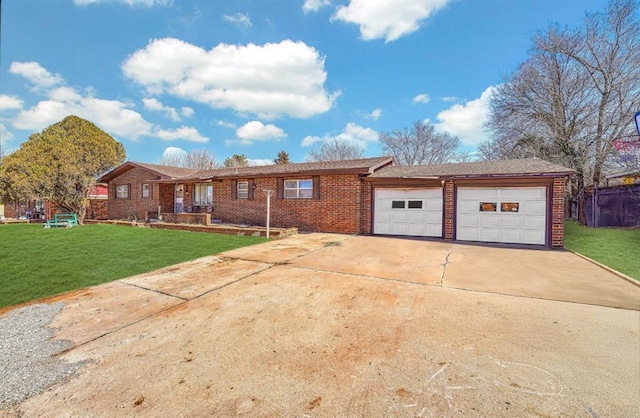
(613, 206)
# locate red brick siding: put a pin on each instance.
(557, 212)
(337, 210)
(449, 209)
(366, 209)
(135, 205)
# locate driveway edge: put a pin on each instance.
(609, 269)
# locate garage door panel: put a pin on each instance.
(433, 204)
(512, 221)
(416, 216)
(534, 222)
(531, 235)
(489, 221)
(483, 193)
(467, 220)
(512, 235)
(489, 234)
(527, 225)
(534, 208)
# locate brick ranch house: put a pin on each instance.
(507, 201)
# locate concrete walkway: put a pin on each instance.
(334, 325)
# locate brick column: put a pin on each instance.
(448, 210)
(557, 212)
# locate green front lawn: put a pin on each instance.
(37, 262)
(614, 247)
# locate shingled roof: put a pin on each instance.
(162, 171)
(498, 168)
(360, 166)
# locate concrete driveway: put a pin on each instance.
(333, 325)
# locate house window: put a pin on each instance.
(243, 190)
(146, 190)
(203, 194)
(397, 204)
(488, 206)
(298, 189)
(509, 207)
(122, 191)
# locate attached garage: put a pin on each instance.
(503, 201)
(515, 215)
(410, 212)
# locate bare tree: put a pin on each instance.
(200, 160)
(335, 149)
(419, 144)
(197, 160)
(573, 96)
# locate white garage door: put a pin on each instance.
(412, 212)
(506, 214)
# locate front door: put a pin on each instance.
(178, 205)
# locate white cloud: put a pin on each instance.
(187, 112)
(114, 116)
(269, 80)
(132, 3)
(240, 19)
(257, 131)
(375, 115)
(421, 98)
(9, 102)
(185, 133)
(467, 120)
(388, 19)
(5, 134)
(226, 124)
(352, 133)
(260, 161)
(155, 105)
(170, 153)
(38, 76)
(311, 6)
(450, 99)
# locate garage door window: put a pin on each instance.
(488, 206)
(397, 204)
(509, 207)
(415, 204)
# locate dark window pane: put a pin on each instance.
(509, 207)
(397, 204)
(415, 204)
(488, 206)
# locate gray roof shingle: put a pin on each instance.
(519, 167)
(361, 166)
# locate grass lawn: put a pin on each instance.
(614, 247)
(37, 262)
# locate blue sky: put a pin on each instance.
(256, 76)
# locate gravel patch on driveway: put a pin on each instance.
(28, 365)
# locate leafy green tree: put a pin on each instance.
(60, 164)
(283, 158)
(236, 160)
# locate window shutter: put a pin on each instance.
(234, 189)
(280, 191)
(250, 192)
(129, 191)
(115, 191)
(316, 187)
